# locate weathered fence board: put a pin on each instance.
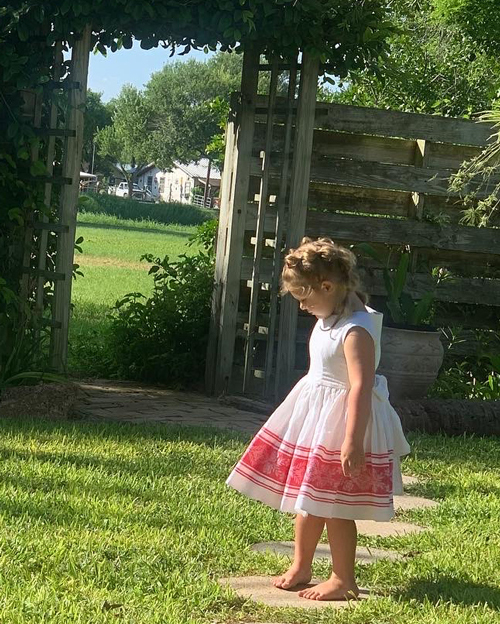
(358, 175)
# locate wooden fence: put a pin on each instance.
(354, 174)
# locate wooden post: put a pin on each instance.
(207, 183)
(231, 232)
(299, 191)
(69, 199)
(49, 163)
(259, 233)
(221, 250)
(279, 230)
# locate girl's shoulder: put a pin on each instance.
(370, 319)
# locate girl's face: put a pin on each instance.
(321, 301)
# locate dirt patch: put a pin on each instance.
(51, 401)
(83, 261)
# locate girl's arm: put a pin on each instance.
(359, 350)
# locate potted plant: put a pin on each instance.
(411, 349)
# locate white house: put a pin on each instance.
(177, 184)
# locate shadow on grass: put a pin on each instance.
(175, 463)
(449, 589)
(147, 230)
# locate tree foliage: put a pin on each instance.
(181, 99)
(97, 117)
(431, 68)
(478, 19)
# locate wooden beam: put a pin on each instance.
(389, 123)
(359, 173)
(221, 244)
(232, 236)
(297, 213)
(259, 233)
(279, 229)
(72, 156)
(44, 224)
(55, 132)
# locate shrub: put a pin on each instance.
(164, 338)
(124, 208)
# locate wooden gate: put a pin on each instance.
(297, 167)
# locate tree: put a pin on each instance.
(125, 141)
(431, 68)
(97, 116)
(182, 97)
(478, 19)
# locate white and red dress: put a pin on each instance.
(293, 463)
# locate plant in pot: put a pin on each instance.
(412, 353)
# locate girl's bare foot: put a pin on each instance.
(294, 576)
(332, 589)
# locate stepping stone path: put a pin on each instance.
(363, 555)
(261, 589)
(386, 529)
(406, 502)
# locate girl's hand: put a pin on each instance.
(352, 457)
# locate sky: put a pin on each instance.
(108, 74)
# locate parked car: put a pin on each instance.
(139, 193)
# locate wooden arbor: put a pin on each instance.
(297, 167)
(68, 130)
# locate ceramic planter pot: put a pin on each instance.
(410, 359)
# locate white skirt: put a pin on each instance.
(293, 462)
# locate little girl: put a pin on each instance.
(331, 451)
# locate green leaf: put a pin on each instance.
(10, 160)
(401, 273)
(38, 168)
(407, 307)
(15, 214)
(422, 309)
(370, 251)
(395, 310)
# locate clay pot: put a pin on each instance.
(410, 360)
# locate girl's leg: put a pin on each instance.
(342, 535)
(307, 533)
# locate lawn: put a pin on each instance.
(134, 524)
(111, 265)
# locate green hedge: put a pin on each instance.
(124, 208)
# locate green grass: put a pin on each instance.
(164, 212)
(139, 518)
(111, 265)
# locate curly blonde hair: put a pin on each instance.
(316, 261)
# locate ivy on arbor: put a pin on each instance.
(343, 34)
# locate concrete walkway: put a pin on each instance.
(140, 403)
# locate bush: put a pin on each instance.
(124, 208)
(164, 338)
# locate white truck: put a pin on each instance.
(122, 190)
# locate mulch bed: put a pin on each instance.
(53, 401)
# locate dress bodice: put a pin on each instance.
(326, 345)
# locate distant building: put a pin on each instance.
(176, 185)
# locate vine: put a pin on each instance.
(342, 34)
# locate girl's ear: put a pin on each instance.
(326, 286)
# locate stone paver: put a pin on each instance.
(138, 403)
(387, 529)
(408, 480)
(260, 589)
(363, 555)
(406, 502)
